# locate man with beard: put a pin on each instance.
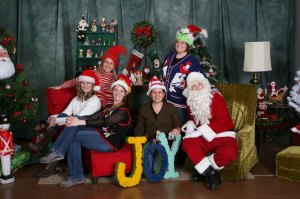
(209, 140)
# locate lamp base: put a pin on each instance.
(255, 78)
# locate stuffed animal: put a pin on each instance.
(82, 28)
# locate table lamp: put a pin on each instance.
(257, 59)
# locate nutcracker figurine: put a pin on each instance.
(6, 149)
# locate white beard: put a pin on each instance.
(199, 103)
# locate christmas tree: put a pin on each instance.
(294, 97)
(200, 51)
(17, 100)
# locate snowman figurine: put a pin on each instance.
(6, 149)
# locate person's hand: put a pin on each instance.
(51, 121)
(189, 127)
(74, 121)
(193, 134)
(172, 134)
(55, 87)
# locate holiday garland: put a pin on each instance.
(143, 34)
(7, 41)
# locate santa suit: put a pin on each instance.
(217, 139)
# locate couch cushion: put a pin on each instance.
(58, 99)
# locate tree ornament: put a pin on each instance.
(24, 120)
(7, 86)
(143, 34)
(25, 83)
(7, 41)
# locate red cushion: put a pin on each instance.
(58, 99)
(104, 163)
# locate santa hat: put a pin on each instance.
(155, 83)
(195, 77)
(89, 76)
(296, 129)
(188, 34)
(123, 81)
(113, 53)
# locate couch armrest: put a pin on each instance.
(58, 99)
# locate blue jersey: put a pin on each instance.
(174, 77)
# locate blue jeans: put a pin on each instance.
(89, 139)
(182, 115)
(65, 138)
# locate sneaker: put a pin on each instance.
(51, 157)
(70, 183)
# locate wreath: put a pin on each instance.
(7, 41)
(143, 34)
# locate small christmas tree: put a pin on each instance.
(17, 100)
(199, 50)
(294, 99)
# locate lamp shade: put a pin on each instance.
(257, 57)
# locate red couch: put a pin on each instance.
(98, 163)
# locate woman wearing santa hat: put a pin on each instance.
(176, 67)
(84, 104)
(105, 73)
(103, 131)
(157, 115)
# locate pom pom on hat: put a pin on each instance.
(188, 34)
(123, 81)
(89, 76)
(155, 83)
(114, 53)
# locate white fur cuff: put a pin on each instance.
(213, 163)
(202, 165)
(207, 133)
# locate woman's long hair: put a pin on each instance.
(80, 94)
(101, 70)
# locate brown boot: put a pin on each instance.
(42, 144)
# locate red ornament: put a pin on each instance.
(24, 120)
(16, 114)
(19, 67)
(26, 83)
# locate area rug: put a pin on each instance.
(57, 178)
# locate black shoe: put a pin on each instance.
(214, 181)
(51, 169)
(212, 178)
(197, 177)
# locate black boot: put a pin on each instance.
(197, 177)
(38, 147)
(212, 178)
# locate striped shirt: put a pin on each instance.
(105, 81)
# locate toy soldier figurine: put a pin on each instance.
(6, 149)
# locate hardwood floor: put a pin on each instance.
(265, 184)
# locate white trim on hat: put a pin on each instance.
(121, 83)
(156, 85)
(86, 78)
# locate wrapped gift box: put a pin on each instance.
(287, 163)
(18, 160)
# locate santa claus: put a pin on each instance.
(208, 132)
